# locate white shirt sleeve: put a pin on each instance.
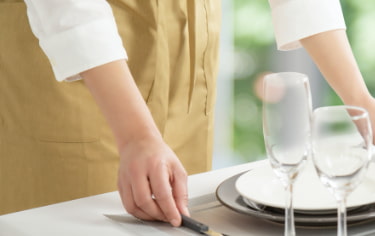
(76, 35)
(297, 19)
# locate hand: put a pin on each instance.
(152, 181)
(369, 105)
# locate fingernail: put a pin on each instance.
(175, 222)
(186, 211)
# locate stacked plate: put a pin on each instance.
(259, 193)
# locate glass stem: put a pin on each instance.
(289, 215)
(341, 218)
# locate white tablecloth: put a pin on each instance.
(86, 216)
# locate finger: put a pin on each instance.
(129, 204)
(180, 191)
(143, 199)
(162, 190)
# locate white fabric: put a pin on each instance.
(297, 19)
(76, 35)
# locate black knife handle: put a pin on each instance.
(193, 224)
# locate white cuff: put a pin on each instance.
(83, 47)
(297, 19)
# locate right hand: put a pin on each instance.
(369, 105)
(152, 181)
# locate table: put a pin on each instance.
(86, 216)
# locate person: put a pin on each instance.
(157, 96)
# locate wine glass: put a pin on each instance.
(341, 147)
(287, 112)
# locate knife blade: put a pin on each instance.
(199, 227)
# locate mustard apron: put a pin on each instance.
(54, 143)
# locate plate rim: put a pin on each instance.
(309, 221)
(333, 207)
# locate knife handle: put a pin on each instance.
(193, 224)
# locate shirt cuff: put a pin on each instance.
(83, 47)
(296, 19)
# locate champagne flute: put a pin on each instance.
(287, 112)
(341, 146)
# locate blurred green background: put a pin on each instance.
(255, 52)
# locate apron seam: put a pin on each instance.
(208, 89)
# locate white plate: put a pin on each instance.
(261, 185)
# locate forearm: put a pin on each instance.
(147, 167)
(333, 55)
(116, 93)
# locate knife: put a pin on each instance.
(198, 226)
